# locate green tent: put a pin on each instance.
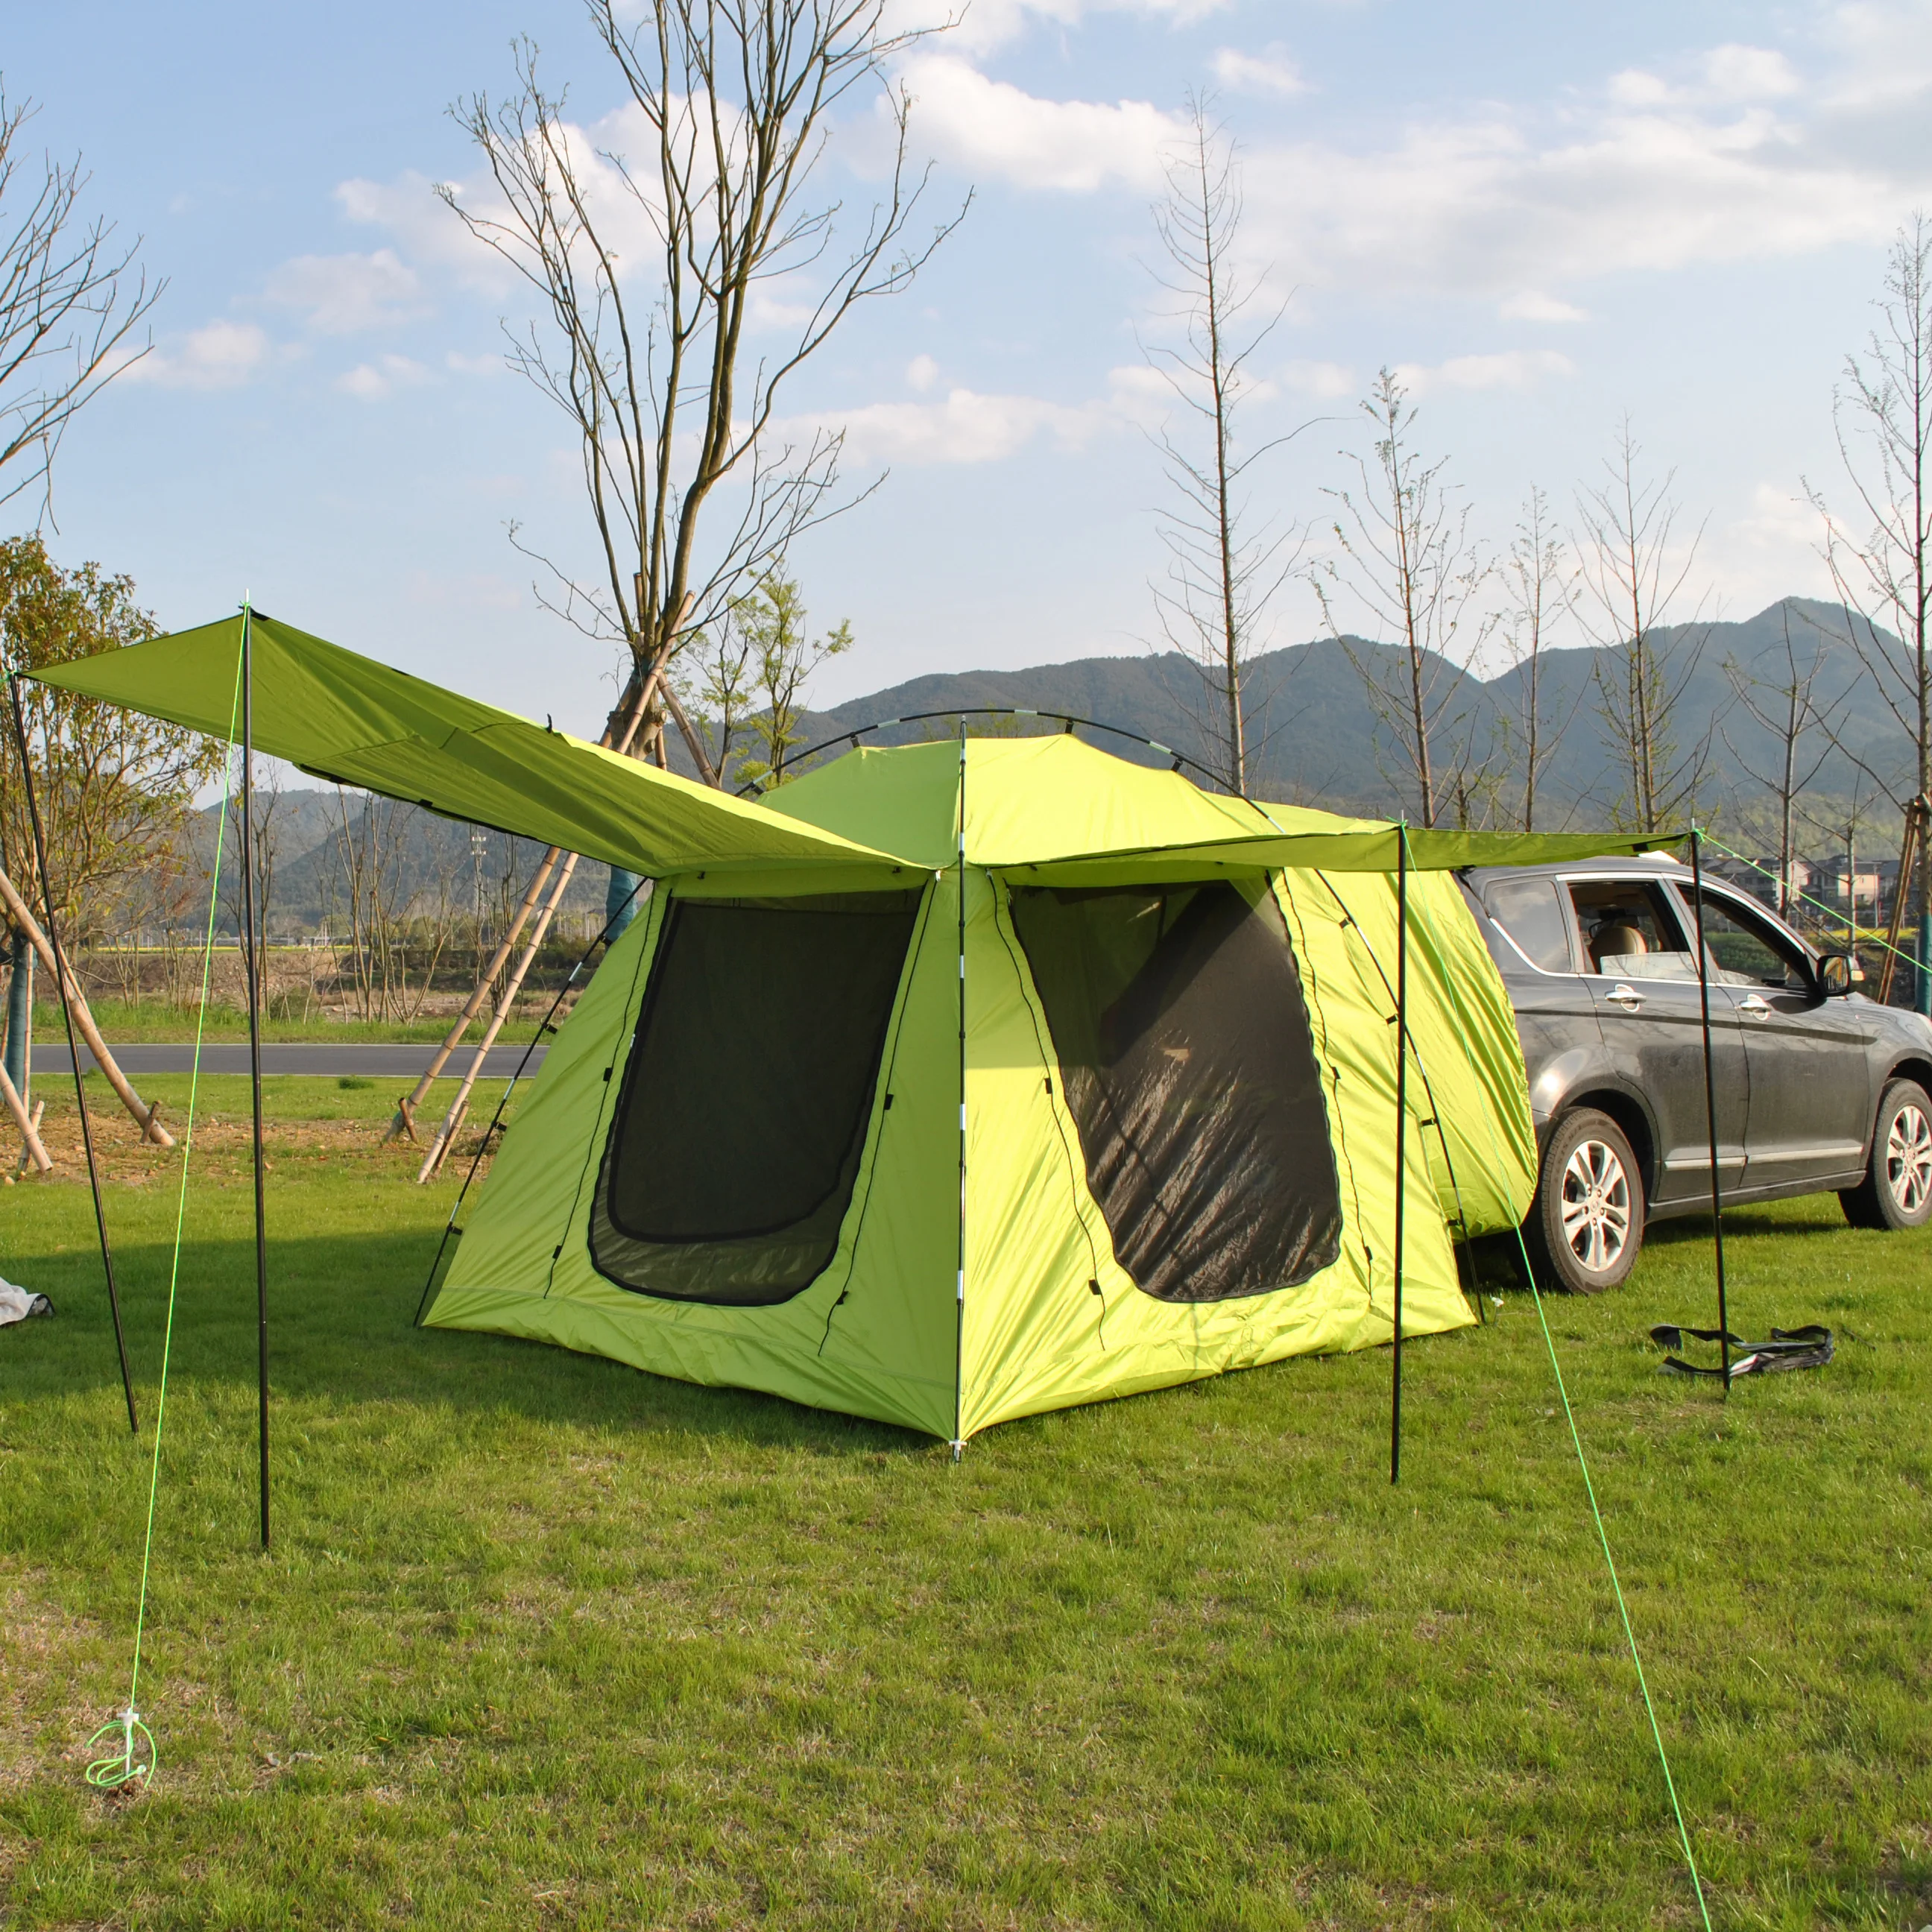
(950, 1083)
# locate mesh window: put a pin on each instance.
(736, 1139)
(1177, 1018)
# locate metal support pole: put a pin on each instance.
(251, 972)
(959, 1306)
(1711, 1106)
(61, 976)
(1401, 1130)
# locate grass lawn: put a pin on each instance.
(544, 1641)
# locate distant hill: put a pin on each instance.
(1313, 736)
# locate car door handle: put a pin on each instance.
(1751, 1004)
(1627, 997)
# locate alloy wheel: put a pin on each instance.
(1908, 1158)
(1596, 1202)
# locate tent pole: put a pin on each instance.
(959, 1305)
(1711, 1104)
(73, 1047)
(251, 975)
(1401, 1130)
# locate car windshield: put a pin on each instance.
(1630, 930)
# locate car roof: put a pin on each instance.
(1654, 865)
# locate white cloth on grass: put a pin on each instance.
(17, 1303)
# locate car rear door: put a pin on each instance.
(1555, 1017)
(1642, 977)
(1811, 1098)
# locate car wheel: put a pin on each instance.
(1587, 1225)
(1896, 1190)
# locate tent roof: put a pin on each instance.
(1053, 809)
(1032, 801)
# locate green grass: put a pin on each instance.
(543, 1641)
(121, 1022)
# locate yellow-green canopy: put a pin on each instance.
(347, 719)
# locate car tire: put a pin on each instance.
(1896, 1190)
(1587, 1225)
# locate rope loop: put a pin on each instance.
(133, 1763)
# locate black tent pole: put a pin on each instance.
(1710, 1104)
(1401, 1128)
(251, 976)
(73, 1046)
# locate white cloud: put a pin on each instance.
(990, 126)
(372, 381)
(218, 355)
(458, 364)
(965, 427)
(343, 293)
(1319, 379)
(1487, 204)
(1529, 306)
(1512, 369)
(921, 372)
(986, 24)
(1727, 157)
(1734, 72)
(1269, 72)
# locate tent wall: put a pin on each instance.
(873, 1336)
(1036, 1337)
(1475, 1091)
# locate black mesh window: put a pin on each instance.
(737, 1135)
(1183, 1045)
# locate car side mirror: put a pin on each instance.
(1836, 973)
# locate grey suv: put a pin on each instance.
(1817, 1087)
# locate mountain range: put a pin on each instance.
(1314, 738)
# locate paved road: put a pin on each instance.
(371, 1062)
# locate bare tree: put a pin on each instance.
(648, 271)
(1404, 561)
(1224, 566)
(1789, 710)
(783, 654)
(1633, 569)
(1539, 580)
(67, 309)
(1882, 565)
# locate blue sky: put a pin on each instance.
(1547, 217)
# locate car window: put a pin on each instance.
(1532, 913)
(1630, 930)
(1747, 951)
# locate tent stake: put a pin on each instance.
(1710, 1106)
(1401, 1130)
(251, 976)
(73, 1050)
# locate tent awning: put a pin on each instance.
(347, 718)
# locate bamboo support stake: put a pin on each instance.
(144, 1115)
(1915, 814)
(446, 1135)
(630, 712)
(405, 1122)
(27, 1124)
